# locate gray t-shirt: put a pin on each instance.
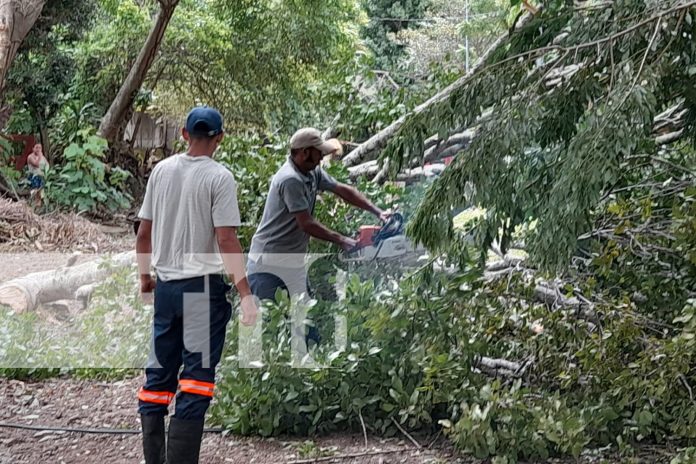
(291, 192)
(187, 197)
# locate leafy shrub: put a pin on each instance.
(411, 357)
(71, 123)
(84, 182)
(8, 173)
(686, 456)
(253, 161)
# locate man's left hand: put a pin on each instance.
(250, 311)
(147, 287)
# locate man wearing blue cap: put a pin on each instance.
(188, 234)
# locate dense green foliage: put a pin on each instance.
(412, 348)
(41, 76)
(84, 183)
(575, 164)
(385, 19)
(547, 150)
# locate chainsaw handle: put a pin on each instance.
(395, 219)
(393, 226)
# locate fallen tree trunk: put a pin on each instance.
(26, 293)
(667, 124)
(369, 149)
(436, 150)
(411, 176)
(372, 170)
(368, 169)
(449, 147)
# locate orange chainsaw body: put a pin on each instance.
(366, 235)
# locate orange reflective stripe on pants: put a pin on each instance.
(196, 387)
(157, 397)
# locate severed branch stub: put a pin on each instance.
(498, 367)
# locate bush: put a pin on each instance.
(412, 356)
(8, 174)
(84, 182)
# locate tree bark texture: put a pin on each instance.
(26, 293)
(117, 115)
(17, 17)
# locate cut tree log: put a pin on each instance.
(26, 293)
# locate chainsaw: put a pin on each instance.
(380, 242)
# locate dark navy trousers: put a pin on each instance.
(190, 322)
(265, 280)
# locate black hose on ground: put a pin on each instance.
(103, 431)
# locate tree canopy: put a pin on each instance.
(564, 112)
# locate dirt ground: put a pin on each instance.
(93, 404)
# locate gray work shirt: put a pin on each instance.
(187, 197)
(291, 192)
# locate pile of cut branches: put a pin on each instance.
(23, 230)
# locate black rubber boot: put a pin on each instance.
(184, 441)
(153, 438)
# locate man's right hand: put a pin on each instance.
(250, 311)
(147, 284)
(348, 244)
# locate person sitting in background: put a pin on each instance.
(36, 164)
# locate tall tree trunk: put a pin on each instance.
(16, 19)
(45, 142)
(116, 117)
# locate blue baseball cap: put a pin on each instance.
(204, 121)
